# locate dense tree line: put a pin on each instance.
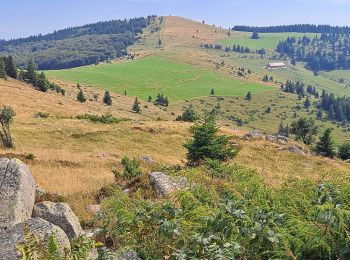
(338, 108)
(30, 75)
(161, 100)
(302, 28)
(234, 48)
(299, 89)
(327, 52)
(76, 46)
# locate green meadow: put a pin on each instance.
(267, 40)
(152, 75)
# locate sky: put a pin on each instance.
(21, 18)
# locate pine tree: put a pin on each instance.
(136, 106)
(304, 129)
(307, 103)
(207, 144)
(255, 36)
(81, 97)
(188, 115)
(212, 92)
(10, 67)
(107, 99)
(149, 99)
(248, 96)
(2, 69)
(331, 113)
(325, 146)
(30, 75)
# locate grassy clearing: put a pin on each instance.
(153, 75)
(267, 40)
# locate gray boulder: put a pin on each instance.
(164, 184)
(11, 237)
(270, 138)
(295, 149)
(282, 138)
(17, 192)
(255, 134)
(61, 215)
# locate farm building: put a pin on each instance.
(276, 65)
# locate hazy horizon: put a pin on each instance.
(45, 17)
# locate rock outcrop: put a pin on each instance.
(61, 215)
(164, 184)
(12, 237)
(17, 192)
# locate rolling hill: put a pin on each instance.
(76, 46)
(274, 199)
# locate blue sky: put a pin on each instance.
(21, 18)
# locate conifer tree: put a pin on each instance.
(30, 75)
(207, 144)
(136, 106)
(107, 99)
(81, 97)
(10, 67)
(331, 113)
(325, 146)
(212, 92)
(304, 129)
(248, 96)
(2, 69)
(307, 103)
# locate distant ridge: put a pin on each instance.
(76, 46)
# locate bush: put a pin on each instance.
(104, 119)
(188, 115)
(6, 117)
(344, 151)
(131, 169)
(41, 115)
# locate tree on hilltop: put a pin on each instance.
(6, 117)
(255, 36)
(2, 69)
(10, 67)
(30, 75)
(212, 92)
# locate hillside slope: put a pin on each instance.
(77, 46)
(75, 157)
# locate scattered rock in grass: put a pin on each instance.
(165, 185)
(17, 192)
(61, 215)
(13, 236)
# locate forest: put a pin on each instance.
(76, 46)
(301, 28)
(327, 52)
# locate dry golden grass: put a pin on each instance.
(75, 157)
